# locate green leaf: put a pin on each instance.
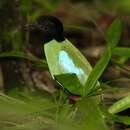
(33, 125)
(73, 84)
(64, 58)
(86, 115)
(91, 83)
(122, 51)
(120, 105)
(25, 56)
(113, 33)
(112, 37)
(39, 112)
(17, 114)
(121, 119)
(91, 117)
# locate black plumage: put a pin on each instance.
(45, 29)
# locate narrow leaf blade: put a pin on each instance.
(120, 105)
(122, 51)
(97, 72)
(24, 56)
(113, 33)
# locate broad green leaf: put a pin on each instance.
(25, 56)
(64, 58)
(122, 51)
(85, 116)
(97, 72)
(75, 87)
(91, 116)
(113, 33)
(120, 105)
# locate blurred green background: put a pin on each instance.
(85, 23)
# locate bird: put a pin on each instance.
(67, 66)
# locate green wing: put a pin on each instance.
(71, 82)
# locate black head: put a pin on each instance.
(42, 31)
(47, 28)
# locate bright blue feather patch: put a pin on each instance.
(68, 65)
